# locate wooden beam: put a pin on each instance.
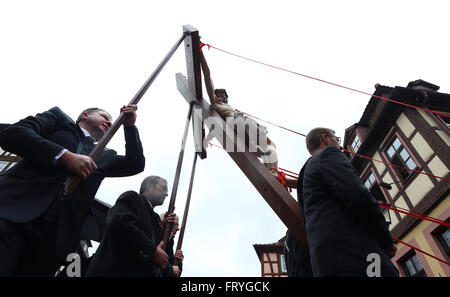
(186, 208)
(101, 144)
(167, 229)
(278, 198)
(194, 78)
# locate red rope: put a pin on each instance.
(425, 216)
(417, 249)
(290, 175)
(353, 153)
(399, 209)
(296, 174)
(395, 209)
(393, 165)
(324, 81)
(281, 178)
(301, 134)
(418, 216)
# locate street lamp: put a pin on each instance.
(386, 212)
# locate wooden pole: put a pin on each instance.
(194, 81)
(173, 195)
(100, 146)
(186, 208)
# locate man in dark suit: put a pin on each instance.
(132, 244)
(39, 226)
(343, 222)
(298, 262)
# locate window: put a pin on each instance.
(356, 143)
(12, 165)
(443, 236)
(283, 264)
(445, 119)
(398, 155)
(3, 165)
(370, 181)
(374, 188)
(412, 266)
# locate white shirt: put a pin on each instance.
(59, 155)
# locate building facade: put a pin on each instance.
(413, 140)
(7, 160)
(272, 259)
(417, 140)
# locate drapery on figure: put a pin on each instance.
(265, 148)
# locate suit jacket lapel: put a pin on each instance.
(155, 217)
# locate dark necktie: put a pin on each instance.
(90, 140)
(88, 145)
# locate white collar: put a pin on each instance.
(86, 132)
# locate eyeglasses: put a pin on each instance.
(338, 139)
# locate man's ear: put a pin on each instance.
(84, 116)
(325, 139)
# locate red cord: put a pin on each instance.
(293, 131)
(288, 171)
(418, 216)
(417, 249)
(393, 165)
(324, 81)
(392, 208)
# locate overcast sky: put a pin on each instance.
(78, 54)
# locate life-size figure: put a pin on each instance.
(265, 148)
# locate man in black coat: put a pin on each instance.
(298, 261)
(38, 228)
(132, 244)
(344, 224)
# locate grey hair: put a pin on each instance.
(152, 180)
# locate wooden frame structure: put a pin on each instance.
(282, 203)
